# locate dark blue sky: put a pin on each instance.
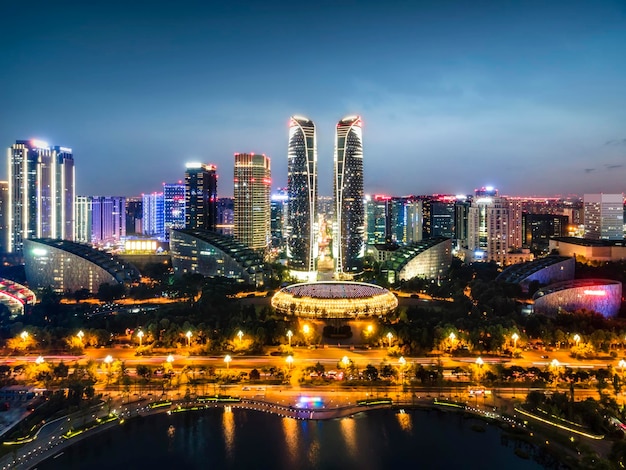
(526, 96)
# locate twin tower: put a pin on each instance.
(348, 223)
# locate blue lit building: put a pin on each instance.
(173, 207)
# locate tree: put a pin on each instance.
(371, 373)
(255, 374)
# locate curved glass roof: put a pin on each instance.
(518, 272)
(401, 257)
(120, 270)
(559, 286)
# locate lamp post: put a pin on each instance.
(622, 364)
(402, 362)
(188, 335)
(289, 362)
(140, 336)
(345, 361)
(514, 337)
(576, 339)
(80, 335)
(240, 335)
(289, 335)
(389, 337)
(108, 360)
(452, 338)
(24, 336)
(40, 360)
(227, 360)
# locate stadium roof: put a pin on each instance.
(589, 241)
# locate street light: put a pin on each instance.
(227, 360)
(169, 359)
(108, 360)
(345, 361)
(24, 335)
(289, 361)
(240, 335)
(577, 339)
(389, 337)
(140, 336)
(80, 335)
(289, 335)
(622, 364)
(402, 362)
(514, 337)
(188, 335)
(479, 362)
(40, 360)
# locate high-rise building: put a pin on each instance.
(376, 218)
(278, 216)
(302, 223)
(83, 219)
(153, 215)
(4, 216)
(252, 183)
(173, 207)
(349, 226)
(200, 196)
(108, 220)
(604, 216)
(414, 220)
(41, 192)
(493, 227)
(134, 215)
(537, 229)
(225, 215)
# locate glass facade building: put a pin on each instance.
(200, 196)
(67, 266)
(212, 254)
(252, 183)
(153, 206)
(173, 207)
(349, 226)
(41, 192)
(598, 295)
(427, 259)
(302, 225)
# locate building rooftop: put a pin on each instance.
(121, 271)
(242, 254)
(559, 286)
(518, 272)
(589, 241)
(402, 256)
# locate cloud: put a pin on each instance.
(612, 167)
(616, 142)
(589, 170)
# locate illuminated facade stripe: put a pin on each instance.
(349, 226)
(302, 227)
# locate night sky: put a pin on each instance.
(524, 96)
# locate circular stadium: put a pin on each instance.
(334, 299)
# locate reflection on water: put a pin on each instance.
(228, 425)
(405, 420)
(241, 440)
(291, 428)
(348, 431)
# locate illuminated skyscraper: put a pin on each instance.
(349, 227)
(604, 216)
(200, 196)
(41, 192)
(252, 185)
(302, 226)
(173, 207)
(153, 215)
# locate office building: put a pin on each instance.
(376, 218)
(225, 216)
(349, 226)
(173, 207)
(108, 221)
(278, 217)
(252, 183)
(134, 215)
(41, 192)
(200, 196)
(153, 215)
(4, 216)
(302, 224)
(604, 216)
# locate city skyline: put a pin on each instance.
(526, 97)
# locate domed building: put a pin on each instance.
(334, 299)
